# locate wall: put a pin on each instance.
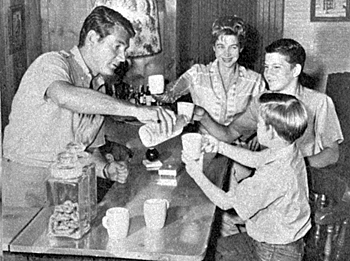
(61, 27)
(327, 44)
(14, 61)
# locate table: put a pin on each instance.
(184, 237)
(14, 219)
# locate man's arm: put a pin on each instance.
(88, 101)
(327, 156)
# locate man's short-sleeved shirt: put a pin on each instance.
(275, 202)
(207, 90)
(39, 128)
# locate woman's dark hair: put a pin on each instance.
(229, 25)
(102, 20)
(291, 49)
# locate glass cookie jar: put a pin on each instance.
(69, 192)
(89, 169)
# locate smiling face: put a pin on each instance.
(227, 50)
(107, 53)
(280, 75)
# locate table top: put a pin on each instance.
(14, 219)
(184, 237)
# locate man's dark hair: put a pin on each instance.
(102, 20)
(291, 49)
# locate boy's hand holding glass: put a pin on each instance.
(210, 144)
(193, 167)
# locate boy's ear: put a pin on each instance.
(297, 70)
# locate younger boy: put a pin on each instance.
(274, 201)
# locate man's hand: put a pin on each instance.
(117, 171)
(165, 118)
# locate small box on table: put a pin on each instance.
(168, 174)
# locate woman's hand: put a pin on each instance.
(162, 98)
(199, 113)
(117, 171)
(210, 144)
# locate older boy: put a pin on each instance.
(274, 202)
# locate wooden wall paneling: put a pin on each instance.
(279, 19)
(200, 30)
(194, 32)
(269, 24)
(183, 36)
(2, 69)
(63, 23)
(168, 22)
(205, 24)
(16, 61)
(16, 55)
(215, 14)
(33, 27)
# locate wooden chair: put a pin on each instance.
(329, 238)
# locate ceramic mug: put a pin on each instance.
(192, 144)
(185, 108)
(156, 83)
(117, 221)
(155, 212)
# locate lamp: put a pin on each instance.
(143, 15)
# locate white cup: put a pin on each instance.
(117, 221)
(155, 212)
(156, 83)
(192, 144)
(185, 108)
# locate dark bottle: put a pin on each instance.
(148, 96)
(152, 154)
(142, 99)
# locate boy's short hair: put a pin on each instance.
(285, 113)
(103, 20)
(291, 49)
(229, 25)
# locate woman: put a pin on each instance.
(223, 87)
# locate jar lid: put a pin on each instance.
(66, 166)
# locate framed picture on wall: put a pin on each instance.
(330, 10)
(16, 28)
